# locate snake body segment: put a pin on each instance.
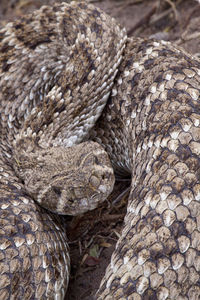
(57, 68)
(51, 63)
(154, 114)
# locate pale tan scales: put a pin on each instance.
(51, 63)
(150, 128)
(154, 112)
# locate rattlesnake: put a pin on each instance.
(57, 68)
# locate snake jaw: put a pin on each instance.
(85, 188)
(56, 197)
(67, 181)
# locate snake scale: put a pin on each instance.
(58, 67)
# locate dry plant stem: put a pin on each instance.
(143, 21)
(188, 37)
(163, 14)
(172, 4)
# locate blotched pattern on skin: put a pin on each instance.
(149, 128)
(57, 68)
(154, 116)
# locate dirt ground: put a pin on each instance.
(92, 237)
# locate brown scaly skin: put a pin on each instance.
(51, 63)
(33, 244)
(150, 127)
(154, 114)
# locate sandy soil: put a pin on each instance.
(92, 237)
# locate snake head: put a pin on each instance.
(67, 181)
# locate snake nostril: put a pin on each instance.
(96, 160)
(57, 190)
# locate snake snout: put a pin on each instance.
(103, 179)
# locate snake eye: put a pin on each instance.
(57, 190)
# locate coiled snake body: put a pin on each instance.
(57, 68)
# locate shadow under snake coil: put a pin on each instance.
(57, 69)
